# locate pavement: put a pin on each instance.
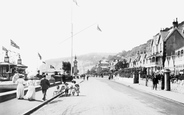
(20, 107)
(169, 95)
(25, 107)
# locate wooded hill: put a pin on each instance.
(88, 61)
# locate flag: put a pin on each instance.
(43, 62)
(75, 1)
(14, 44)
(98, 28)
(4, 49)
(40, 56)
(52, 67)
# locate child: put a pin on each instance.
(72, 88)
(56, 92)
(66, 89)
(77, 89)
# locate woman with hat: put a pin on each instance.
(20, 86)
(30, 95)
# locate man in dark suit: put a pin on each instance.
(45, 85)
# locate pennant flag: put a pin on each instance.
(14, 44)
(43, 62)
(52, 67)
(98, 28)
(40, 56)
(75, 1)
(4, 49)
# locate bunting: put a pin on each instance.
(44, 62)
(75, 1)
(13, 44)
(4, 49)
(52, 67)
(40, 56)
(98, 28)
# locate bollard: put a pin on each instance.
(135, 77)
(139, 78)
(167, 79)
(162, 82)
(146, 83)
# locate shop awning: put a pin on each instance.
(5, 63)
(21, 66)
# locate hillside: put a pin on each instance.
(85, 62)
(88, 61)
(126, 54)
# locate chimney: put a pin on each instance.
(175, 23)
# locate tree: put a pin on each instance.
(121, 64)
(66, 67)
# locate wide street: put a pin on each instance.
(100, 96)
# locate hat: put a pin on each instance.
(21, 75)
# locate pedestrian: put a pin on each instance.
(87, 77)
(30, 95)
(84, 76)
(20, 86)
(155, 81)
(64, 77)
(44, 85)
(66, 89)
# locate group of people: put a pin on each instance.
(30, 95)
(67, 89)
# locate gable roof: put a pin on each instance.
(172, 31)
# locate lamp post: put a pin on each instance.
(6, 58)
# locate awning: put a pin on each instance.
(22, 66)
(5, 63)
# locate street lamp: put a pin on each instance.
(19, 61)
(6, 58)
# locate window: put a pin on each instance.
(160, 47)
(178, 53)
(181, 52)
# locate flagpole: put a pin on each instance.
(71, 36)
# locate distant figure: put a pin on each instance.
(87, 77)
(155, 81)
(64, 78)
(30, 95)
(20, 86)
(84, 77)
(45, 85)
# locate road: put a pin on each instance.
(100, 96)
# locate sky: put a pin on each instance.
(45, 26)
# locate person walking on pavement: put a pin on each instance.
(30, 95)
(44, 85)
(155, 81)
(20, 86)
(87, 77)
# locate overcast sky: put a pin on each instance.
(44, 26)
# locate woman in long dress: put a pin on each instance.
(20, 87)
(30, 95)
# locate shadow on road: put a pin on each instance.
(55, 101)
